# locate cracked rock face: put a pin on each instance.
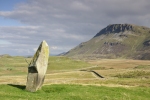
(147, 43)
(37, 68)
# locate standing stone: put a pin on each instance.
(37, 68)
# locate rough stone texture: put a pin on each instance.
(37, 68)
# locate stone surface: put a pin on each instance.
(37, 68)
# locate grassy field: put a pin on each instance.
(18, 65)
(68, 79)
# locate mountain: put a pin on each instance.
(115, 41)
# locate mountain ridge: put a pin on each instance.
(116, 28)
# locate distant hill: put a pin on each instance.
(61, 54)
(115, 41)
(5, 55)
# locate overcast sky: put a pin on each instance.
(62, 23)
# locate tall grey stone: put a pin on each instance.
(37, 68)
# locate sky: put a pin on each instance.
(63, 24)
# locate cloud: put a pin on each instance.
(35, 49)
(65, 24)
(79, 6)
(54, 47)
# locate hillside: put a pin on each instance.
(115, 41)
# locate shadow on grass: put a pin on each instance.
(22, 87)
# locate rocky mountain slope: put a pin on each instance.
(115, 41)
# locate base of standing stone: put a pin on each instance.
(32, 80)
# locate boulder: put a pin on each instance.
(37, 68)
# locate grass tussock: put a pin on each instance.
(142, 67)
(134, 74)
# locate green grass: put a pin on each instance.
(13, 65)
(65, 64)
(74, 92)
